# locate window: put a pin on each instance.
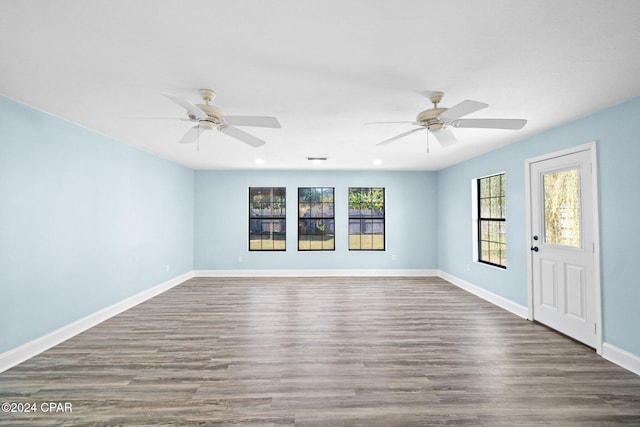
(492, 225)
(366, 219)
(316, 223)
(562, 207)
(267, 219)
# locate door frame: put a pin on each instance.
(591, 147)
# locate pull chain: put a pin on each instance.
(428, 141)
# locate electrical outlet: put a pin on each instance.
(168, 268)
(468, 267)
(239, 258)
(394, 257)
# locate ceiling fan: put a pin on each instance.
(208, 117)
(438, 121)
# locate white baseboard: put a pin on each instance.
(501, 302)
(315, 273)
(610, 352)
(26, 351)
(621, 358)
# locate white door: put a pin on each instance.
(563, 245)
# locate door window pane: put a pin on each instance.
(562, 207)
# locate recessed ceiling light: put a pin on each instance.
(377, 162)
(259, 161)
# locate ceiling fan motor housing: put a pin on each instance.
(214, 113)
(440, 119)
(431, 118)
(208, 117)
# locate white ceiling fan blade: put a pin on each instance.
(187, 105)
(445, 137)
(165, 119)
(387, 123)
(513, 124)
(462, 109)
(190, 136)
(242, 136)
(260, 121)
(402, 135)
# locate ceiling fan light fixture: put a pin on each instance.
(438, 120)
(206, 124)
(209, 117)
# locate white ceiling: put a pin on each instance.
(323, 68)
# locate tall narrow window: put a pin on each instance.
(492, 225)
(366, 219)
(316, 223)
(267, 219)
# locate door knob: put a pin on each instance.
(535, 237)
(534, 248)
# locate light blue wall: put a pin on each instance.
(221, 220)
(617, 131)
(85, 222)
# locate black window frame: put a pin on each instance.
(366, 215)
(316, 218)
(493, 224)
(273, 216)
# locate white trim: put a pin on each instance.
(26, 351)
(527, 204)
(596, 245)
(621, 358)
(517, 309)
(616, 355)
(591, 147)
(315, 273)
(474, 219)
(571, 150)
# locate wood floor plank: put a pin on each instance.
(321, 352)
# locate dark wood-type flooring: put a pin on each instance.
(321, 352)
